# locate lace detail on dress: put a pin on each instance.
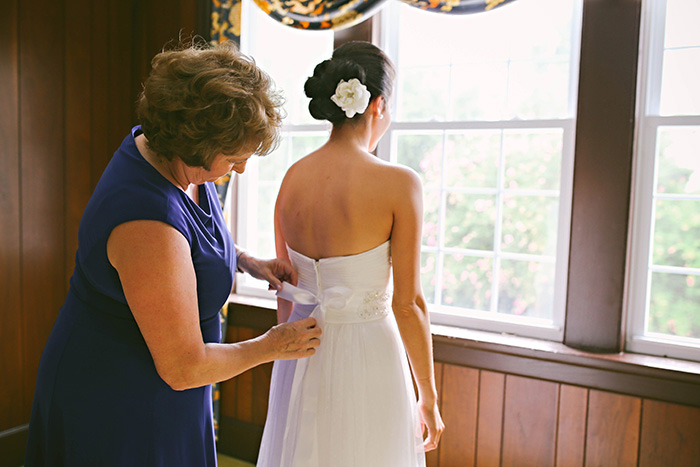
(374, 305)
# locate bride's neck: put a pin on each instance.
(357, 135)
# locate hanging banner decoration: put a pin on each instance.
(320, 14)
(457, 7)
(225, 21)
(328, 14)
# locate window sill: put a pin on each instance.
(666, 379)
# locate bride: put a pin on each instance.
(346, 220)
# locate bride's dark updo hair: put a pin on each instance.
(360, 60)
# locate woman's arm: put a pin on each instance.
(157, 275)
(408, 303)
(274, 271)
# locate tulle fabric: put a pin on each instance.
(352, 404)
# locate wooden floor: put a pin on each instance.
(225, 461)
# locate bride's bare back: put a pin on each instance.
(339, 201)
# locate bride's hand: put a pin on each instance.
(274, 271)
(430, 419)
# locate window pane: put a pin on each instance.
(466, 282)
(470, 221)
(674, 305)
(428, 269)
(526, 288)
(422, 153)
(471, 158)
(303, 144)
(538, 89)
(272, 166)
(533, 159)
(677, 234)
(431, 217)
(682, 18)
(477, 91)
(529, 224)
(423, 93)
(267, 194)
(533, 34)
(678, 160)
(680, 93)
(414, 50)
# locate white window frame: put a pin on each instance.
(642, 206)
(489, 321)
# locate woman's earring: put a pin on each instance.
(381, 116)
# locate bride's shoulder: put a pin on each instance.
(397, 181)
(399, 173)
(302, 165)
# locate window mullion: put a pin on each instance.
(497, 235)
(440, 260)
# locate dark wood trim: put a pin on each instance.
(663, 379)
(239, 439)
(42, 70)
(11, 368)
(359, 32)
(250, 312)
(13, 443)
(203, 22)
(602, 175)
(574, 368)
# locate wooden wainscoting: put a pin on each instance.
(500, 419)
(496, 418)
(70, 75)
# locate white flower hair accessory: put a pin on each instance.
(351, 96)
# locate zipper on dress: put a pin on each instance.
(318, 276)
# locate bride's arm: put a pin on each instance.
(409, 303)
(284, 307)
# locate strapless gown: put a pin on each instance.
(352, 404)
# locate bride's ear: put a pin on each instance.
(378, 106)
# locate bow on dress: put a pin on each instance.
(299, 446)
(331, 299)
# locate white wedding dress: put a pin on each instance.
(351, 404)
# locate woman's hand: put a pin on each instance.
(290, 341)
(430, 419)
(274, 271)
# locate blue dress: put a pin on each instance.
(99, 400)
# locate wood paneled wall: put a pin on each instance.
(499, 419)
(70, 73)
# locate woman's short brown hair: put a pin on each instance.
(201, 100)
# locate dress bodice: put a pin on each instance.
(348, 288)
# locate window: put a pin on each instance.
(664, 285)
(484, 112)
(275, 48)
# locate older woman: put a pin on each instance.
(126, 376)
